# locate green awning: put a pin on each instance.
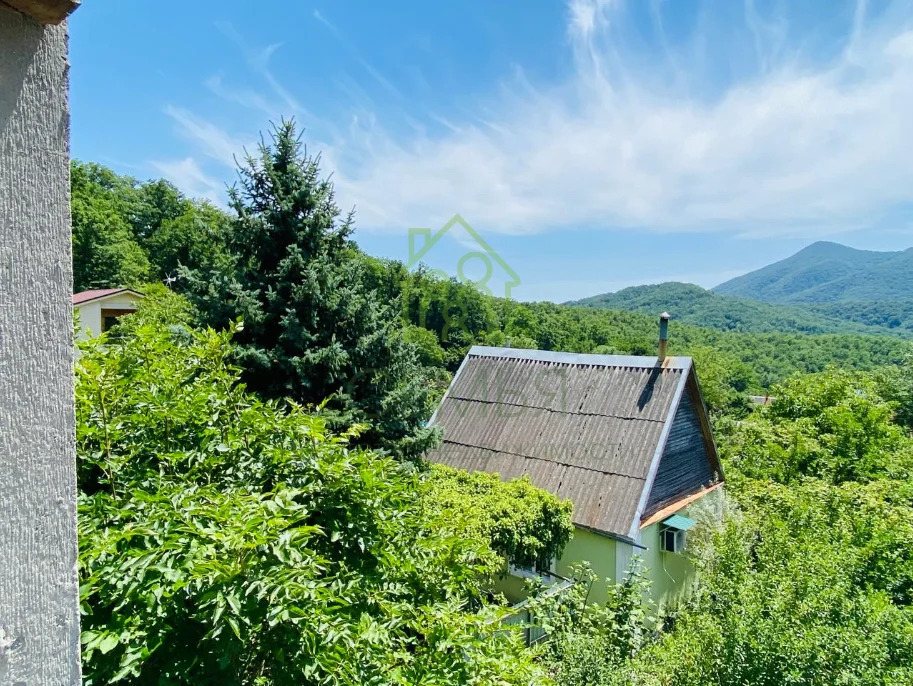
(679, 522)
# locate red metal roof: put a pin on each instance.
(86, 296)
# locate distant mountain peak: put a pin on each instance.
(827, 272)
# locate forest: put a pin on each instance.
(254, 507)
(695, 305)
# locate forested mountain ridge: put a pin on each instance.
(826, 272)
(695, 305)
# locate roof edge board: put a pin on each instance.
(447, 392)
(119, 291)
(677, 505)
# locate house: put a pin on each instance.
(627, 439)
(99, 309)
(39, 591)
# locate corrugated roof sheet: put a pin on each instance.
(584, 427)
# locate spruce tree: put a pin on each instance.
(312, 331)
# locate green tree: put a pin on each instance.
(126, 232)
(312, 330)
(105, 251)
(194, 239)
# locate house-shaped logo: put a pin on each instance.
(421, 241)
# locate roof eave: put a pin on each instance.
(120, 291)
(621, 538)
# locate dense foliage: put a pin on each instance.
(834, 426)
(894, 315)
(458, 316)
(224, 540)
(244, 534)
(313, 331)
(126, 233)
(521, 523)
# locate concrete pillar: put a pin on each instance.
(39, 604)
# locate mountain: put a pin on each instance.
(827, 272)
(695, 305)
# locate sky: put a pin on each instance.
(591, 144)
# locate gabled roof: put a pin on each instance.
(86, 296)
(591, 428)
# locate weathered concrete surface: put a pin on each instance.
(39, 620)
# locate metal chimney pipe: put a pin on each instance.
(663, 335)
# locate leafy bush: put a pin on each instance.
(795, 594)
(520, 522)
(591, 638)
(224, 540)
(833, 425)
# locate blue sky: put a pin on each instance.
(595, 144)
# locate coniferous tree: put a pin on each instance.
(313, 331)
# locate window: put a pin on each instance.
(109, 317)
(672, 533)
(673, 540)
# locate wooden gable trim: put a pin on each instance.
(674, 507)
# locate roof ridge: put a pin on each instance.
(681, 363)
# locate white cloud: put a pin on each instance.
(187, 175)
(356, 54)
(739, 127)
(794, 143)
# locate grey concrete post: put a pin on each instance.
(39, 611)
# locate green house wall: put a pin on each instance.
(671, 575)
(599, 551)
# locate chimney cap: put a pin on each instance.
(665, 315)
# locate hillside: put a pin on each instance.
(827, 272)
(695, 305)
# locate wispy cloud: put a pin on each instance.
(212, 139)
(190, 178)
(356, 54)
(798, 141)
(754, 122)
(258, 60)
